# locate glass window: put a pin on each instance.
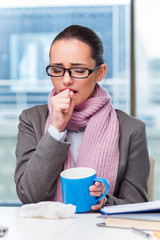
(148, 76)
(26, 33)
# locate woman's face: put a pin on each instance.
(74, 53)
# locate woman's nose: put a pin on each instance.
(67, 79)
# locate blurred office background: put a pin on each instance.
(27, 29)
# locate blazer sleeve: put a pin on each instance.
(39, 162)
(134, 166)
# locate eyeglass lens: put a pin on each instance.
(74, 72)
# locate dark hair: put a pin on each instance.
(87, 36)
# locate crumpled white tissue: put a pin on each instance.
(50, 210)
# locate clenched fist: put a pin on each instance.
(62, 108)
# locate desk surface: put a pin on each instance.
(80, 227)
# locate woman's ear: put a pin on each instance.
(101, 72)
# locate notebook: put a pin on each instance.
(143, 221)
(153, 206)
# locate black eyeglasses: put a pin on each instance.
(74, 72)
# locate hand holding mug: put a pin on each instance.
(98, 189)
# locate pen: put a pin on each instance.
(142, 233)
(156, 234)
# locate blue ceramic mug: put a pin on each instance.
(75, 187)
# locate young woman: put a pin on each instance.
(79, 127)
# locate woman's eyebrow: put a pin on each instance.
(78, 64)
(72, 64)
(57, 64)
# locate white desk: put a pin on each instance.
(80, 227)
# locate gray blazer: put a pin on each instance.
(40, 159)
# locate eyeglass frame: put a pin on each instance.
(90, 71)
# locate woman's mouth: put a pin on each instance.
(73, 90)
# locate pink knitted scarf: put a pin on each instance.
(100, 145)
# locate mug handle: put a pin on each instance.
(106, 183)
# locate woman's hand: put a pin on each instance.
(98, 190)
(62, 108)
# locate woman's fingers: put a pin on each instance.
(99, 205)
(97, 190)
(62, 108)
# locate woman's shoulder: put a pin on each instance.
(35, 112)
(37, 109)
(127, 121)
